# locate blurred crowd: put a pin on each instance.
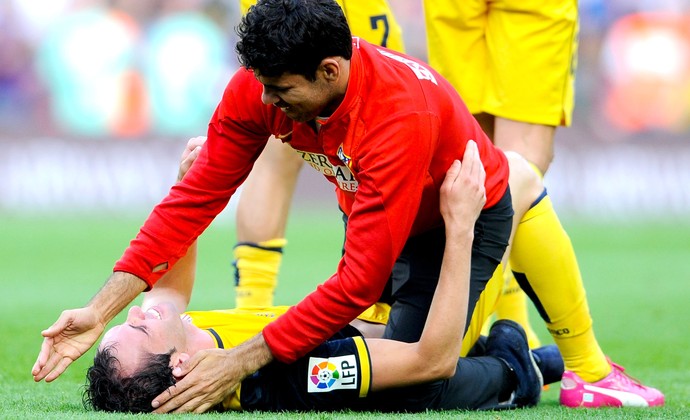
(118, 68)
(133, 69)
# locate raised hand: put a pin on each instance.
(65, 341)
(78, 329)
(462, 193)
(189, 155)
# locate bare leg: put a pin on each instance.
(533, 141)
(264, 204)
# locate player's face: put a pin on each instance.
(300, 99)
(158, 330)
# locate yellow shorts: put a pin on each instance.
(514, 59)
(371, 20)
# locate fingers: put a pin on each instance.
(197, 141)
(50, 371)
(61, 365)
(45, 360)
(189, 155)
(471, 149)
(192, 144)
(187, 161)
(471, 167)
(200, 409)
(183, 397)
(472, 164)
(451, 176)
(471, 161)
(41, 361)
(172, 397)
(189, 399)
(52, 365)
(463, 194)
(186, 402)
(453, 171)
(163, 402)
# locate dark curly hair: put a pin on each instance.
(107, 390)
(292, 36)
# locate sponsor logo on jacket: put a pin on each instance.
(342, 174)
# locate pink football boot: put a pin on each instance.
(615, 390)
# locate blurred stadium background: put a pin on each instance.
(98, 97)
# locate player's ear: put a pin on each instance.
(330, 68)
(177, 358)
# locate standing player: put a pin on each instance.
(513, 63)
(262, 210)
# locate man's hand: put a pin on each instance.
(78, 329)
(207, 379)
(211, 375)
(462, 193)
(65, 341)
(189, 155)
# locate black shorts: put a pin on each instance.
(479, 383)
(415, 273)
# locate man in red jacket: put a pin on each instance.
(382, 127)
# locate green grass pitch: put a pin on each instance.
(637, 278)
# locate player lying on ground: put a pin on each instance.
(135, 360)
(535, 219)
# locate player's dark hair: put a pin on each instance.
(107, 390)
(292, 36)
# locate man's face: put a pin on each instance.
(157, 330)
(300, 99)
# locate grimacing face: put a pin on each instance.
(158, 330)
(300, 99)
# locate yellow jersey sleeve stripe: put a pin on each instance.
(365, 366)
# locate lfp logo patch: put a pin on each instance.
(327, 375)
(324, 375)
